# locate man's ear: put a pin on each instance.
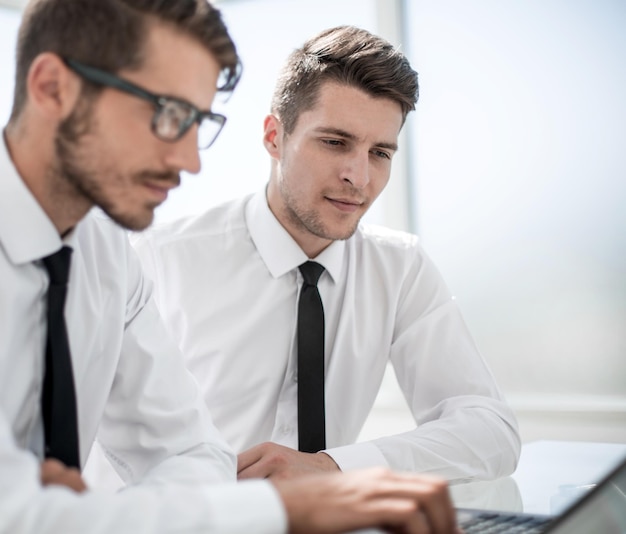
(53, 89)
(272, 135)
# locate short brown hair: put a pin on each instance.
(349, 56)
(110, 34)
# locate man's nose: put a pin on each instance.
(184, 154)
(356, 170)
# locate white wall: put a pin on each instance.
(521, 186)
(9, 21)
(13, 4)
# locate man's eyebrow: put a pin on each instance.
(335, 131)
(389, 146)
(347, 135)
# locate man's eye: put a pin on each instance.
(332, 142)
(381, 154)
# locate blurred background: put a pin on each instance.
(512, 171)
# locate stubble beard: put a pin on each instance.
(310, 221)
(73, 168)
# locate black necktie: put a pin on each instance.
(311, 418)
(58, 399)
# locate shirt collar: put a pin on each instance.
(26, 232)
(278, 250)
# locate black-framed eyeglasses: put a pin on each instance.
(173, 117)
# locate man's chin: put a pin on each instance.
(135, 222)
(341, 234)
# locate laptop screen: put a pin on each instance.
(602, 510)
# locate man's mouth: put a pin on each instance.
(347, 205)
(160, 188)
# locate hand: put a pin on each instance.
(56, 473)
(270, 460)
(338, 502)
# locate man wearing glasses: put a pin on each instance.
(112, 99)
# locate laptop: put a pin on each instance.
(601, 510)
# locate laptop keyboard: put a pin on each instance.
(488, 523)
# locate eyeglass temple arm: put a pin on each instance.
(101, 77)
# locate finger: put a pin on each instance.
(257, 470)
(73, 480)
(410, 486)
(418, 524)
(438, 508)
(249, 457)
(57, 474)
(50, 469)
(393, 515)
(270, 459)
(390, 510)
(404, 484)
(430, 493)
(415, 524)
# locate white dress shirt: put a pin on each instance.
(227, 283)
(132, 391)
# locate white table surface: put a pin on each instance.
(549, 476)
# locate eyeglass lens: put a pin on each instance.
(173, 119)
(208, 131)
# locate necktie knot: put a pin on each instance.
(311, 272)
(58, 266)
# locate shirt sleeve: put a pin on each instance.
(228, 507)
(465, 429)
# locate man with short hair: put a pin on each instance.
(112, 100)
(230, 280)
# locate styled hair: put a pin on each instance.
(346, 55)
(110, 35)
